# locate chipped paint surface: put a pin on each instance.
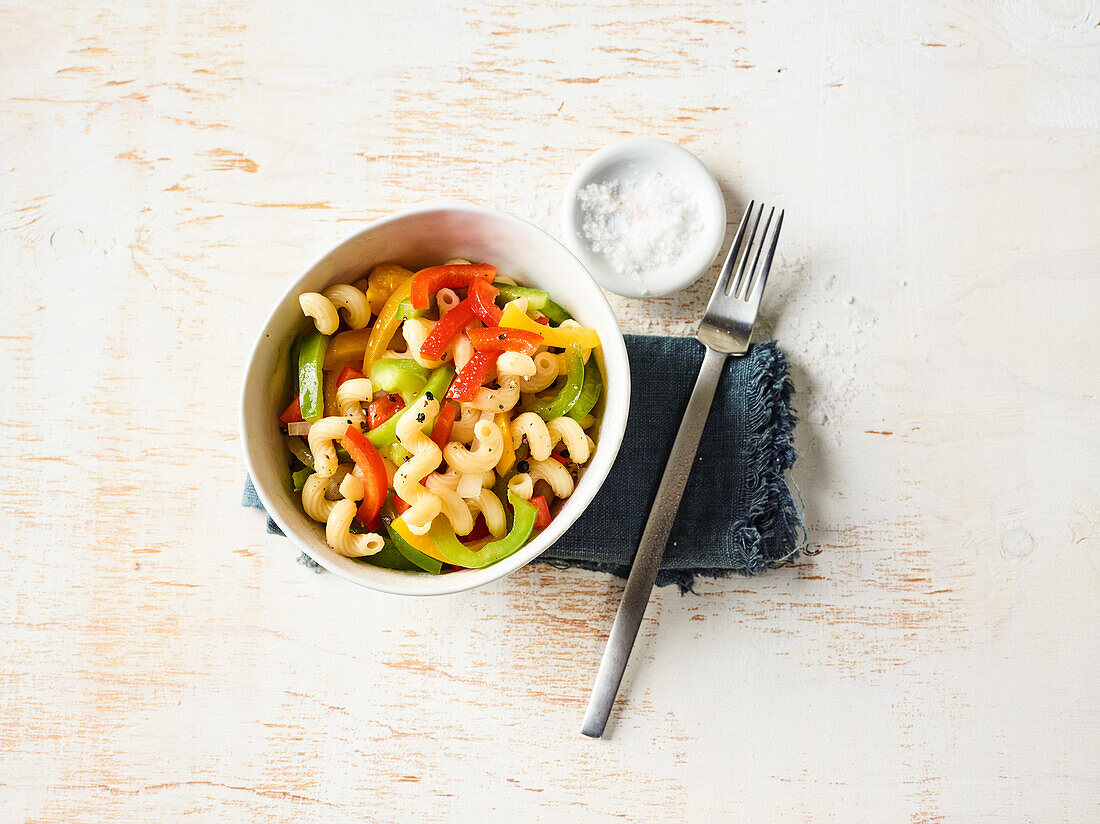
(167, 168)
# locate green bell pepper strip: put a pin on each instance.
(413, 555)
(405, 309)
(398, 454)
(438, 384)
(460, 555)
(567, 396)
(536, 299)
(404, 376)
(390, 557)
(311, 360)
(590, 390)
(299, 478)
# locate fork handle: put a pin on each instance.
(647, 560)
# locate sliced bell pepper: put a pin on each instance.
(376, 486)
(545, 321)
(348, 373)
(480, 531)
(542, 518)
(311, 359)
(552, 335)
(438, 383)
(482, 295)
(590, 391)
(455, 552)
(557, 456)
(504, 339)
(299, 478)
(567, 396)
(427, 282)
(423, 550)
(444, 422)
(472, 376)
(346, 346)
(445, 331)
(390, 557)
(404, 376)
(382, 409)
(382, 280)
(293, 413)
(507, 449)
(385, 326)
(536, 299)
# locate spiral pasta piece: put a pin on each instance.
(547, 368)
(339, 536)
(522, 484)
(351, 396)
(424, 504)
(321, 437)
(317, 306)
(561, 482)
(512, 369)
(453, 508)
(481, 458)
(314, 502)
(463, 350)
(568, 431)
(491, 509)
(446, 299)
(354, 304)
(462, 430)
(416, 331)
(530, 427)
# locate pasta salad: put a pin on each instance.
(438, 417)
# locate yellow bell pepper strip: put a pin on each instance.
(385, 326)
(455, 552)
(404, 376)
(438, 384)
(311, 359)
(567, 396)
(345, 347)
(590, 391)
(551, 335)
(507, 449)
(381, 282)
(536, 299)
(417, 548)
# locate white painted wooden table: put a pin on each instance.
(167, 168)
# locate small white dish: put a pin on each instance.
(417, 238)
(635, 157)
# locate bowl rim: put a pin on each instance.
(692, 266)
(454, 582)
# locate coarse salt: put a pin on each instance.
(641, 225)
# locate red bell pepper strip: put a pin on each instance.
(483, 297)
(557, 456)
(348, 373)
(293, 413)
(479, 531)
(441, 431)
(545, 321)
(399, 504)
(376, 485)
(542, 514)
(445, 331)
(505, 339)
(381, 410)
(472, 376)
(427, 282)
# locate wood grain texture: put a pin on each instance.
(167, 168)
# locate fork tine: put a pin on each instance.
(740, 277)
(762, 278)
(747, 283)
(731, 258)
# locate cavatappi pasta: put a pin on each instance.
(440, 416)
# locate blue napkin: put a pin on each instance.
(737, 513)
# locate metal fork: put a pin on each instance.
(725, 330)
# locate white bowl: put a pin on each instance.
(415, 239)
(635, 156)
